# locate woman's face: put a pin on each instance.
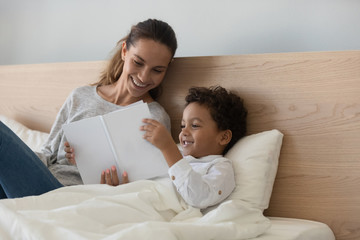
(145, 65)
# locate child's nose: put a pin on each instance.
(184, 131)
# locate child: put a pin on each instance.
(213, 121)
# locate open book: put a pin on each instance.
(115, 139)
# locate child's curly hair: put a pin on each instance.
(226, 108)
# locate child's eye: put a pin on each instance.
(158, 71)
(182, 126)
(194, 126)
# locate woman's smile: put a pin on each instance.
(138, 83)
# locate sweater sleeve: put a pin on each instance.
(159, 114)
(207, 187)
(52, 146)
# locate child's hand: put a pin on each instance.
(69, 153)
(159, 136)
(156, 133)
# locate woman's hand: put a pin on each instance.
(110, 177)
(69, 153)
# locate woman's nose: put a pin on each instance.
(144, 75)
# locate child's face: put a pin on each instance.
(200, 135)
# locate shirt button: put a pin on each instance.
(220, 192)
(173, 178)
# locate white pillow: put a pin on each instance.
(34, 139)
(255, 160)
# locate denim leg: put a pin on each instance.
(2, 193)
(22, 173)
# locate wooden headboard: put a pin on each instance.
(313, 98)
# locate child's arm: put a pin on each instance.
(159, 136)
(212, 182)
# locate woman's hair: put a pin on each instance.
(226, 108)
(153, 29)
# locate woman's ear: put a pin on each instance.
(226, 136)
(123, 50)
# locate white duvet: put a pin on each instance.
(139, 210)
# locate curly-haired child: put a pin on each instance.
(214, 119)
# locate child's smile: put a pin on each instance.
(200, 135)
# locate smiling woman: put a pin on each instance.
(134, 73)
(150, 45)
(144, 68)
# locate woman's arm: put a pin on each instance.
(51, 147)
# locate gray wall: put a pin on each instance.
(38, 31)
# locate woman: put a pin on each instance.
(134, 73)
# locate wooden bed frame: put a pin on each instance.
(313, 98)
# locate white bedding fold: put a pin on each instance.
(139, 210)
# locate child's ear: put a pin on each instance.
(225, 137)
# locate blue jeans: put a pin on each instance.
(22, 173)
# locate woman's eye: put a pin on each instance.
(195, 126)
(182, 126)
(158, 71)
(137, 63)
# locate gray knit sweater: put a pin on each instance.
(83, 102)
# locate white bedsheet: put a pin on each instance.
(296, 229)
(139, 210)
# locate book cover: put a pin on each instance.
(115, 139)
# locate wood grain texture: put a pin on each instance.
(33, 94)
(313, 98)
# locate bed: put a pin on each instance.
(303, 142)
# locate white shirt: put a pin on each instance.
(205, 181)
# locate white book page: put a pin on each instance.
(93, 153)
(137, 156)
